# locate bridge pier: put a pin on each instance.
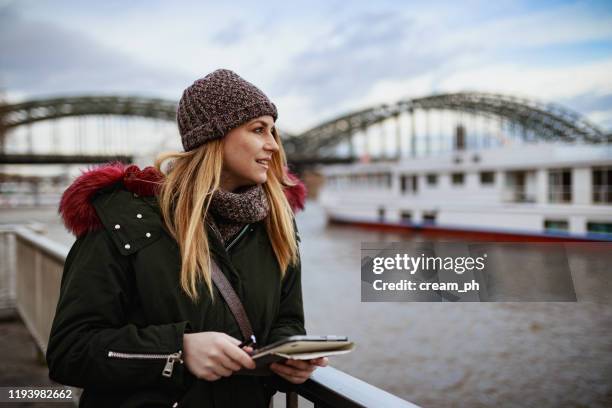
(427, 133)
(413, 144)
(351, 144)
(383, 141)
(2, 136)
(398, 137)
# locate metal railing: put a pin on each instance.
(7, 277)
(32, 270)
(518, 195)
(329, 387)
(602, 194)
(559, 194)
(30, 277)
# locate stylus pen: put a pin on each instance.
(251, 341)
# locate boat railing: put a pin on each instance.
(559, 194)
(602, 193)
(518, 195)
(28, 199)
(30, 275)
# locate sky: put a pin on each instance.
(316, 59)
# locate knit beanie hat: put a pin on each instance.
(217, 103)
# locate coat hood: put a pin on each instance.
(80, 216)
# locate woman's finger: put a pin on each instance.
(238, 355)
(295, 379)
(296, 372)
(321, 362)
(210, 375)
(222, 371)
(282, 369)
(303, 365)
(229, 364)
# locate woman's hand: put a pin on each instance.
(298, 371)
(212, 355)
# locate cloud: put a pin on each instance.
(232, 34)
(566, 24)
(584, 88)
(41, 57)
(603, 119)
(377, 57)
(343, 63)
(596, 106)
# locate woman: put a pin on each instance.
(139, 321)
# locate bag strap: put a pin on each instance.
(233, 301)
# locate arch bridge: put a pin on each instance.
(333, 140)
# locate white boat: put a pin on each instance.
(548, 190)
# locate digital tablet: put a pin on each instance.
(302, 344)
(305, 347)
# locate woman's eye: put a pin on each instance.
(259, 130)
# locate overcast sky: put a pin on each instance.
(314, 59)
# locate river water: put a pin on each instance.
(443, 354)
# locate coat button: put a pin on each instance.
(138, 215)
(148, 235)
(127, 246)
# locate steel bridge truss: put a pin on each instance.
(546, 121)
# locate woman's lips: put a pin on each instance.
(263, 163)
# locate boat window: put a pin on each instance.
(556, 225)
(599, 227)
(560, 185)
(403, 183)
(602, 185)
(381, 214)
(429, 217)
(487, 177)
(432, 179)
(457, 178)
(405, 217)
(460, 137)
(518, 188)
(408, 183)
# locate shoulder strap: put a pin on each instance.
(232, 300)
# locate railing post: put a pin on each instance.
(291, 399)
(7, 275)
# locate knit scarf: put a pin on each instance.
(233, 210)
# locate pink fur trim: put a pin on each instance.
(296, 195)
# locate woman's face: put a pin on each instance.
(247, 153)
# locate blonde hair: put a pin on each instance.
(184, 198)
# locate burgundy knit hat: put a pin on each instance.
(217, 103)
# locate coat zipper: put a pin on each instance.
(170, 359)
(231, 244)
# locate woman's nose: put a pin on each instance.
(271, 143)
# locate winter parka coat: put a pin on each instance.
(120, 319)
